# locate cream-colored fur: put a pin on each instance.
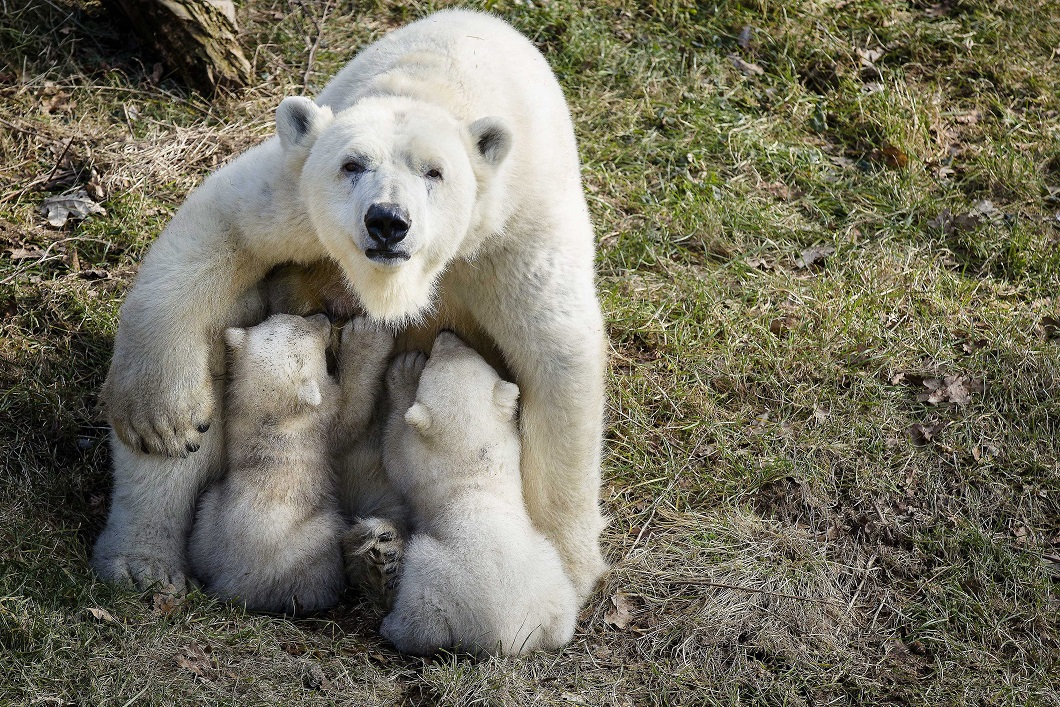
(458, 120)
(477, 576)
(268, 534)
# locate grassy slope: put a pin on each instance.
(778, 537)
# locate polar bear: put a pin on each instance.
(268, 533)
(437, 178)
(476, 573)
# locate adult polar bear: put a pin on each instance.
(439, 170)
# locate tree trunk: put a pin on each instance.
(195, 38)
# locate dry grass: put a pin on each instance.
(795, 520)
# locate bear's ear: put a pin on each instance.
(506, 395)
(299, 121)
(309, 394)
(492, 138)
(419, 417)
(235, 338)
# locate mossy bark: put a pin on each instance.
(195, 38)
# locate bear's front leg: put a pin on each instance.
(540, 308)
(161, 392)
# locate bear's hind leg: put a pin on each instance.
(151, 512)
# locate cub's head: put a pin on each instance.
(461, 401)
(278, 368)
(393, 187)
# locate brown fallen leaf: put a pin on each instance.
(892, 156)
(813, 254)
(102, 615)
(166, 603)
(195, 659)
(782, 326)
(315, 679)
(950, 389)
(621, 613)
(921, 435)
(781, 191)
(745, 67)
(744, 40)
(31, 253)
(57, 210)
(1050, 327)
(869, 56)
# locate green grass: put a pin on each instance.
(780, 534)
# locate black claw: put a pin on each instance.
(143, 447)
(203, 427)
(386, 536)
(390, 555)
(390, 570)
(191, 447)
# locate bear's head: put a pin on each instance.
(461, 402)
(394, 189)
(278, 368)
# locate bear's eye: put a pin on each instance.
(353, 167)
(434, 173)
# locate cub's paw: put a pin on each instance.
(364, 341)
(404, 372)
(164, 412)
(372, 551)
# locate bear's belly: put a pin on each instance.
(321, 287)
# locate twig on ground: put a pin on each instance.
(316, 42)
(752, 590)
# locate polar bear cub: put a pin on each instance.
(268, 533)
(476, 575)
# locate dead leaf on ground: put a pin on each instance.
(781, 191)
(986, 211)
(31, 253)
(948, 223)
(950, 389)
(166, 603)
(869, 56)
(315, 679)
(761, 264)
(1050, 327)
(921, 435)
(782, 326)
(94, 274)
(744, 40)
(814, 254)
(195, 659)
(969, 118)
(102, 615)
(620, 615)
(891, 155)
(57, 210)
(745, 67)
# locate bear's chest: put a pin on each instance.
(321, 287)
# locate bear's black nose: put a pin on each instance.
(387, 224)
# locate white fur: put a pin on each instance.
(476, 574)
(502, 243)
(268, 534)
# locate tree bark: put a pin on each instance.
(195, 38)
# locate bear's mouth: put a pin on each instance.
(386, 256)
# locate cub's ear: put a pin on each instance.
(419, 417)
(235, 338)
(299, 121)
(493, 139)
(309, 393)
(506, 395)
